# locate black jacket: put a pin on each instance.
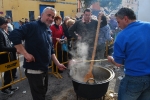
(3, 48)
(38, 42)
(65, 30)
(87, 31)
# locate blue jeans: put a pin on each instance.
(134, 88)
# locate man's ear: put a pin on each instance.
(126, 18)
(41, 14)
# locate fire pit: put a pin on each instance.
(102, 77)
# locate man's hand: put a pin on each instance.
(20, 49)
(29, 57)
(111, 60)
(61, 67)
(18, 52)
(57, 63)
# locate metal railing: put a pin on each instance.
(55, 72)
(8, 67)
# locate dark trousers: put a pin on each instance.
(38, 85)
(8, 78)
(69, 48)
(7, 74)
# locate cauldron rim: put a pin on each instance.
(112, 75)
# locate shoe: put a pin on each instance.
(59, 71)
(14, 89)
(15, 77)
(7, 92)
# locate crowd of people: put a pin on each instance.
(50, 31)
(39, 48)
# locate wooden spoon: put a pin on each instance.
(89, 74)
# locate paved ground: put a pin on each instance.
(59, 89)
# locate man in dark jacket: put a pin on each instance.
(85, 30)
(38, 51)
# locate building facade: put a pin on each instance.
(143, 12)
(133, 4)
(140, 7)
(31, 9)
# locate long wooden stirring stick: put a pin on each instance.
(95, 60)
(89, 74)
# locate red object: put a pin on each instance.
(57, 32)
(1, 12)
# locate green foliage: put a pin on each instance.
(87, 3)
(110, 4)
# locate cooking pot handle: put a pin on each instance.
(113, 74)
(89, 80)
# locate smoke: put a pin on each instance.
(77, 66)
(78, 71)
(80, 51)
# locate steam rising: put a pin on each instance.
(82, 50)
(77, 68)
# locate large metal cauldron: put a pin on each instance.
(102, 76)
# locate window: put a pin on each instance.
(9, 13)
(62, 14)
(31, 15)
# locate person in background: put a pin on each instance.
(113, 25)
(76, 17)
(38, 51)
(26, 20)
(69, 23)
(10, 26)
(8, 29)
(64, 25)
(81, 16)
(21, 22)
(32, 20)
(84, 30)
(39, 17)
(65, 31)
(57, 34)
(6, 46)
(104, 36)
(131, 49)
